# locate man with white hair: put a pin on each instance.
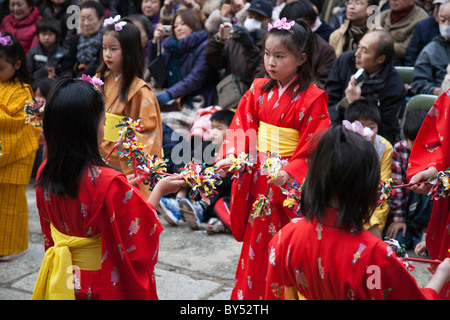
(431, 65)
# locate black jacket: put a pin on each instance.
(386, 88)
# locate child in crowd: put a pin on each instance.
(41, 88)
(327, 254)
(429, 156)
(410, 211)
(368, 114)
(94, 222)
(124, 91)
(48, 58)
(214, 209)
(279, 115)
(19, 144)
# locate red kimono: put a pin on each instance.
(307, 113)
(130, 229)
(432, 149)
(325, 262)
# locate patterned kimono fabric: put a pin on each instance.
(432, 148)
(117, 220)
(19, 143)
(324, 261)
(141, 103)
(299, 116)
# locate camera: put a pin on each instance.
(230, 33)
(167, 29)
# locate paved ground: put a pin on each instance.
(192, 265)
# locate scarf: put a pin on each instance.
(355, 33)
(397, 16)
(88, 48)
(174, 66)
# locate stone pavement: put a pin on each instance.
(192, 265)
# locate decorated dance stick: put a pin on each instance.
(400, 252)
(150, 170)
(243, 163)
(270, 167)
(202, 180)
(130, 130)
(34, 112)
(293, 196)
(423, 260)
(440, 188)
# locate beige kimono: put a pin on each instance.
(141, 103)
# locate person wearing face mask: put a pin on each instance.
(431, 65)
(237, 49)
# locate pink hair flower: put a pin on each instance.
(357, 127)
(281, 24)
(94, 81)
(119, 26)
(4, 40)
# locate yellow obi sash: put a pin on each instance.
(282, 141)
(55, 280)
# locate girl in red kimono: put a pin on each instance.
(101, 235)
(326, 254)
(280, 115)
(429, 155)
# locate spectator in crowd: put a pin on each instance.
(431, 65)
(232, 11)
(424, 32)
(21, 22)
(347, 37)
(320, 27)
(224, 50)
(400, 21)
(381, 82)
(324, 55)
(47, 59)
(151, 8)
(84, 52)
(167, 13)
(410, 212)
(57, 9)
(184, 55)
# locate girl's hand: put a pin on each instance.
(132, 179)
(423, 176)
(168, 185)
(223, 163)
(441, 275)
(282, 178)
(119, 145)
(353, 91)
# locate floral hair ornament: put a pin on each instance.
(4, 41)
(281, 24)
(357, 127)
(94, 81)
(118, 25)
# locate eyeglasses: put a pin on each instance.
(355, 3)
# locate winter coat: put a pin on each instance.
(431, 66)
(38, 60)
(197, 76)
(23, 30)
(424, 32)
(386, 88)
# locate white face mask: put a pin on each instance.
(445, 31)
(252, 24)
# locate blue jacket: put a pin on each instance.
(197, 76)
(424, 32)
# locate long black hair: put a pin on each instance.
(133, 60)
(344, 168)
(72, 115)
(298, 40)
(13, 52)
